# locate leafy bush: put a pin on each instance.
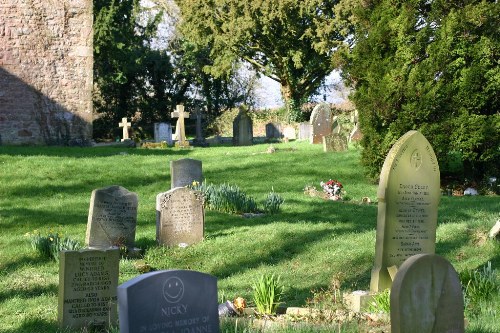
(479, 285)
(267, 293)
(50, 245)
(273, 202)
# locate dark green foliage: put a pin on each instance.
(429, 66)
(478, 286)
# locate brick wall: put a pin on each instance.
(45, 71)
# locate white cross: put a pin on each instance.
(179, 113)
(125, 126)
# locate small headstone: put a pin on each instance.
(336, 127)
(163, 132)
(273, 131)
(334, 142)
(180, 128)
(321, 123)
(172, 301)
(112, 218)
(304, 131)
(355, 135)
(200, 139)
(495, 231)
(184, 172)
(87, 289)
(242, 129)
(180, 217)
(289, 133)
(408, 197)
(426, 296)
(125, 124)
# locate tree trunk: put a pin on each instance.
(292, 102)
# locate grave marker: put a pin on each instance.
(273, 131)
(172, 301)
(125, 124)
(408, 198)
(180, 217)
(289, 133)
(304, 131)
(321, 123)
(180, 128)
(87, 288)
(184, 171)
(163, 132)
(112, 218)
(199, 140)
(334, 142)
(426, 296)
(242, 129)
(356, 134)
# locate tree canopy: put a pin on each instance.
(431, 66)
(293, 42)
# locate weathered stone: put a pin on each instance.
(180, 217)
(180, 132)
(242, 129)
(426, 296)
(173, 301)
(495, 231)
(334, 142)
(304, 131)
(125, 124)
(88, 280)
(321, 123)
(112, 218)
(46, 72)
(273, 131)
(163, 132)
(289, 133)
(408, 197)
(200, 139)
(185, 171)
(355, 135)
(336, 126)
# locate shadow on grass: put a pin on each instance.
(28, 293)
(35, 325)
(12, 266)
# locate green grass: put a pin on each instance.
(307, 243)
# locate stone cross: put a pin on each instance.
(180, 130)
(125, 126)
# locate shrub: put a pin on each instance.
(273, 202)
(50, 245)
(267, 293)
(479, 285)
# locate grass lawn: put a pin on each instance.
(309, 243)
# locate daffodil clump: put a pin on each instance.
(51, 244)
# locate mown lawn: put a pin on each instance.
(310, 242)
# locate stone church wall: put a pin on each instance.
(45, 71)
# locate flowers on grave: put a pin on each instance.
(240, 304)
(333, 189)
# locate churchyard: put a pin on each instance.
(319, 248)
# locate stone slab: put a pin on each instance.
(427, 297)
(163, 132)
(184, 171)
(242, 129)
(321, 123)
(112, 218)
(87, 288)
(334, 142)
(408, 197)
(172, 301)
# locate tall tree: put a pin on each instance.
(431, 66)
(291, 41)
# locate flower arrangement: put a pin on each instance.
(333, 188)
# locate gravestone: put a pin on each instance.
(289, 133)
(180, 131)
(87, 288)
(125, 124)
(180, 217)
(426, 296)
(408, 197)
(356, 134)
(336, 127)
(171, 301)
(334, 142)
(200, 139)
(321, 123)
(304, 131)
(163, 132)
(112, 218)
(273, 131)
(242, 129)
(184, 171)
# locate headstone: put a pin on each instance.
(408, 197)
(125, 124)
(289, 133)
(180, 128)
(273, 131)
(163, 132)
(172, 301)
(321, 123)
(112, 218)
(304, 131)
(355, 135)
(336, 127)
(334, 142)
(184, 171)
(180, 217)
(200, 139)
(426, 296)
(242, 129)
(87, 288)
(354, 117)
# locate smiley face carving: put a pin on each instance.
(173, 289)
